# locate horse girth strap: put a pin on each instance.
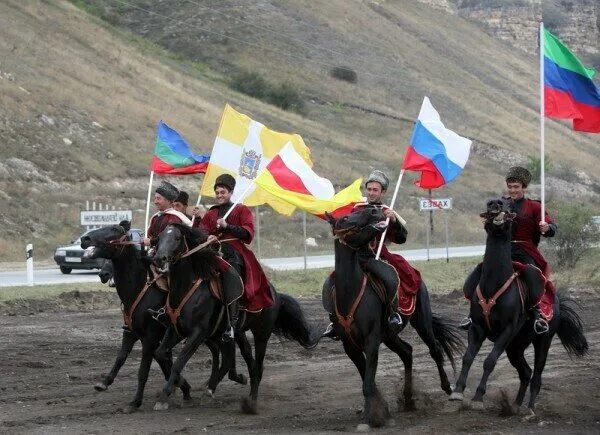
(215, 287)
(128, 317)
(347, 320)
(487, 304)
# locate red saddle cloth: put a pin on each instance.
(546, 302)
(410, 282)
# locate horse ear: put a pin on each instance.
(484, 215)
(330, 218)
(126, 225)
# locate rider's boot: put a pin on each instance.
(395, 321)
(330, 331)
(465, 323)
(540, 325)
(232, 319)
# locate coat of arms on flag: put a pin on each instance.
(244, 147)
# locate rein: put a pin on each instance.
(347, 320)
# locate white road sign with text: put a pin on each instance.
(104, 217)
(435, 204)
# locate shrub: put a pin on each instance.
(343, 73)
(286, 96)
(535, 167)
(250, 83)
(577, 233)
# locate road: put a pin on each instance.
(54, 276)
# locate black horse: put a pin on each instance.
(201, 315)
(499, 312)
(130, 273)
(106, 273)
(361, 321)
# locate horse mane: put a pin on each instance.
(205, 262)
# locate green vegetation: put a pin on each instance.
(285, 95)
(343, 73)
(535, 167)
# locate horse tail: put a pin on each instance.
(448, 336)
(570, 327)
(292, 324)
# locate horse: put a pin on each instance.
(106, 273)
(130, 274)
(499, 312)
(364, 326)
(125, 265)
(185, 255)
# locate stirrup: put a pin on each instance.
(227, 336)
(395, 322)
(540, 326)
(465, 323)
(156, 314)
(330, 332)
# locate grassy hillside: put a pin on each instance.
(84, 84)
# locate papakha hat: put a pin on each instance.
(519, 173)
(167, 190)
(183, 197)
(380, 177)
(226, 181)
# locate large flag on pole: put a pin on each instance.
(569, 91)
(173, 155)
(438, 153)
(243, 148)
(289, 178)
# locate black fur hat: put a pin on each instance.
(183, 197)
(225, 180)
(167, 190)
(519, 173)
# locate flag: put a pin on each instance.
(244, 147)
(289, 178)
(569, 91)
(438, 153)
(172, 154)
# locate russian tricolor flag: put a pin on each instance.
(438, 153)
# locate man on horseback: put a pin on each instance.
(235, 233)
(410, 279)
(525, 239)
(164, 196)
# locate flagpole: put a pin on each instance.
(240, 199)
(387, 221)
(148, 203)
(197, 204)
(542, 130)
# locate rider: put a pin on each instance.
(164, 196)
(526, 237)
(181, 202)
(235, 233)
(410, 279)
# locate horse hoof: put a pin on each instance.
(363, 427)
(161, 406)
(130, 409)
(100, 386)
(456, 396)
(242, 380)
(390, 423)
(410, 405)
(249, 406)
(477, 405)
(210, 393)
(530, 415)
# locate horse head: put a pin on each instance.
(104, 242)
(498, 218)
(178, 241)
(357, 228)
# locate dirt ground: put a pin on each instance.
(52, 353)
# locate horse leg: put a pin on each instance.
(404, 351)
(148, 346)
(516, 357)
(233, 374)
(422, 321)
(490, 362)
(376, 410)
(476, 337)
(213, 381)
(127, 342)
(165, 366)
(194, 340)
(541, 346)
(260, 349)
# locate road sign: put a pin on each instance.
(104, 217)
(435, 204)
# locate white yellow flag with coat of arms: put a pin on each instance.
(244, 147)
